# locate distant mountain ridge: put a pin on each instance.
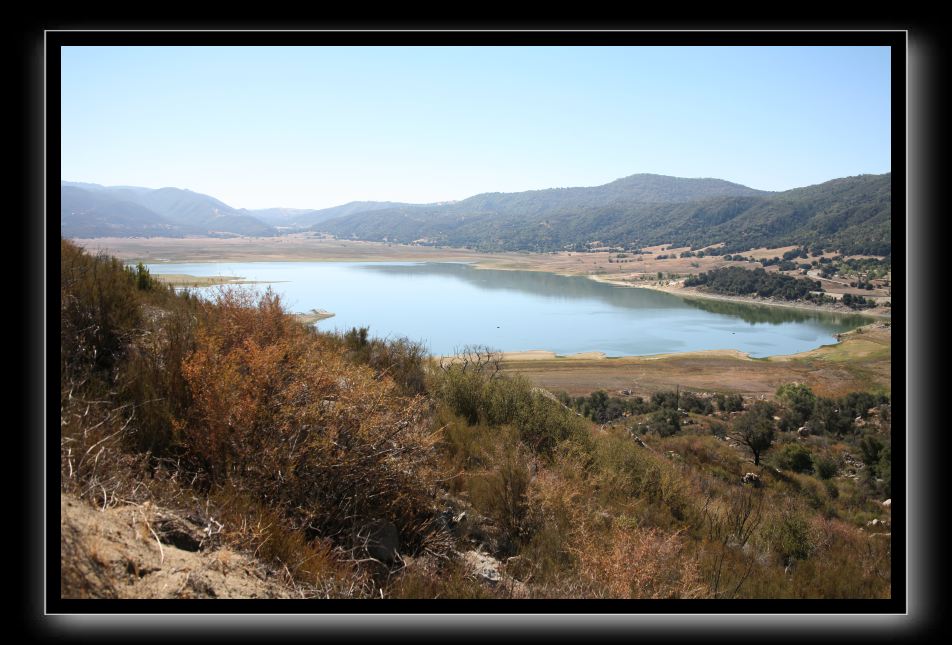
(852, 214)
(502, 212)
(91, 210)
(90, 213)
(304, 218)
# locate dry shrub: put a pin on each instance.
(448, 579)
(266, 533)
(706, 453)
(500, 490)
(92, 462)
(731, 522)
(624, 471)
(639, 563)
(400, 359)
(463, 447)
(151, 376)
(282, 415)
(845, 563)
(558, 503)
(99, 313)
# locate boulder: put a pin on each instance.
(887, 503)
(751, 478)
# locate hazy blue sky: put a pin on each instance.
(320, 126)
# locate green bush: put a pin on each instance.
(718, 429)
(788, 536)
(482, 396)
(798, 402)
(402, 360)
(825, 467)
(693, 403)
(666, 422)
(794, 457)
(729, 402)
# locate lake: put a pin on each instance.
(448, 305)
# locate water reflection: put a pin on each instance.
(552, 286)
(448, 305)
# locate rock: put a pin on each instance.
(483, 566)
(174, 530)
(887, 503)
(751, 478)
(383, 541)
(877, 523)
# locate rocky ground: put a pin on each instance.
(143, 551)
(139, 551)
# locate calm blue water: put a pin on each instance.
(449, 305)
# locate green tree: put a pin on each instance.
(665, 422)
(756, 428)
(795, 457)
(798, 402)
(729, 402)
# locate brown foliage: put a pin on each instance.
(281, 414)
(639, 563)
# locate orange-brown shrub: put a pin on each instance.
(639, 563)
(280, 413)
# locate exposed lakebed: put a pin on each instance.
(449, 305)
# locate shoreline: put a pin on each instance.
(309, 249)
(691, 292)
(548, 355)
(313, 316)
(186, 280)
(859, 361)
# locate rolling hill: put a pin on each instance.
(301, 218)
(851, 214)
(90, 210)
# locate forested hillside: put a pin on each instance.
(851, 215)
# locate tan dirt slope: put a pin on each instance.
(116, 553)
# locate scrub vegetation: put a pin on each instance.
(357, 467)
